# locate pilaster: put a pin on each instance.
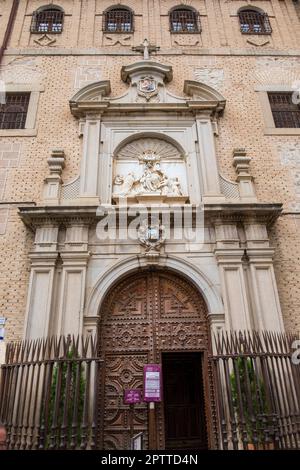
(267, 310)
(89, 174)
(41, 282)
(73, 278)
(229, 256)
(208, 159)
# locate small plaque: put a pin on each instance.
(152, 382)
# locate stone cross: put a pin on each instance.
(146, 49)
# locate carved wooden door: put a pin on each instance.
(144, 315)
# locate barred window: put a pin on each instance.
(118, 20)
(285, 112)
(13, 112)
(254, 22)
(47, 20)
(184, 21)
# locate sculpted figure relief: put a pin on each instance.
(152, 181)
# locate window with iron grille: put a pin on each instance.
(13, 112)
(118, 20)
(184, 21)
(49, 20)
(285, 112)
(254, 22)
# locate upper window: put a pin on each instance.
(47, 20)
(285, 112)
(13, 112)
(118, 20)
(254, 22)
(184, 20)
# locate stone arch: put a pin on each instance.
(178, 265)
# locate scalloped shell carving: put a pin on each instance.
(135, 149)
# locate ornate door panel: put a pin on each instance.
(122, 371)
(142, 316)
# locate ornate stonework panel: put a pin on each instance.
(144, 315)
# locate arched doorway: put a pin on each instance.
(155, 316)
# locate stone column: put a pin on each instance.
(89, 173)
(234, 286)
(208, 159)
(73, 278)
(267, 310)
(41, 283)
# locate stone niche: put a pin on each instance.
(150, 169)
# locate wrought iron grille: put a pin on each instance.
(253, 22)
(47, 394)
(13, 112)
(118, 20)
(47, 21)
(257, 384)
(285, 112)
(184, 21)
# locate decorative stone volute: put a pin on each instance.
(53, 182)
(246, 182)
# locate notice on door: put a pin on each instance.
(152, 382)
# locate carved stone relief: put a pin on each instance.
(149, 167)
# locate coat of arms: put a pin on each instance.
(147, 87)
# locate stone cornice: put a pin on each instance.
(36, 216)
(81, 108)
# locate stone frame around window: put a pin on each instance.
(30, 129)
(270, 128)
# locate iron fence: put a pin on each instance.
(49, 390)
(47, 394)
(257, 386)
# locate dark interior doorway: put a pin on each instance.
(185, 423)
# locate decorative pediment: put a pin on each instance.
(201, 92)
(147, 86)
(92, 93)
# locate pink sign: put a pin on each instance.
(132, 396)
(152, 382)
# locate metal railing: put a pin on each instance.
(47, 21)
(257, 386)
(13, 113)
(184, 21)
(254, 22)
(48, 390)
(118, 20)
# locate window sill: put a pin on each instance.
(18, 132)
(282, 131)
(117, 32)
(256, 34)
